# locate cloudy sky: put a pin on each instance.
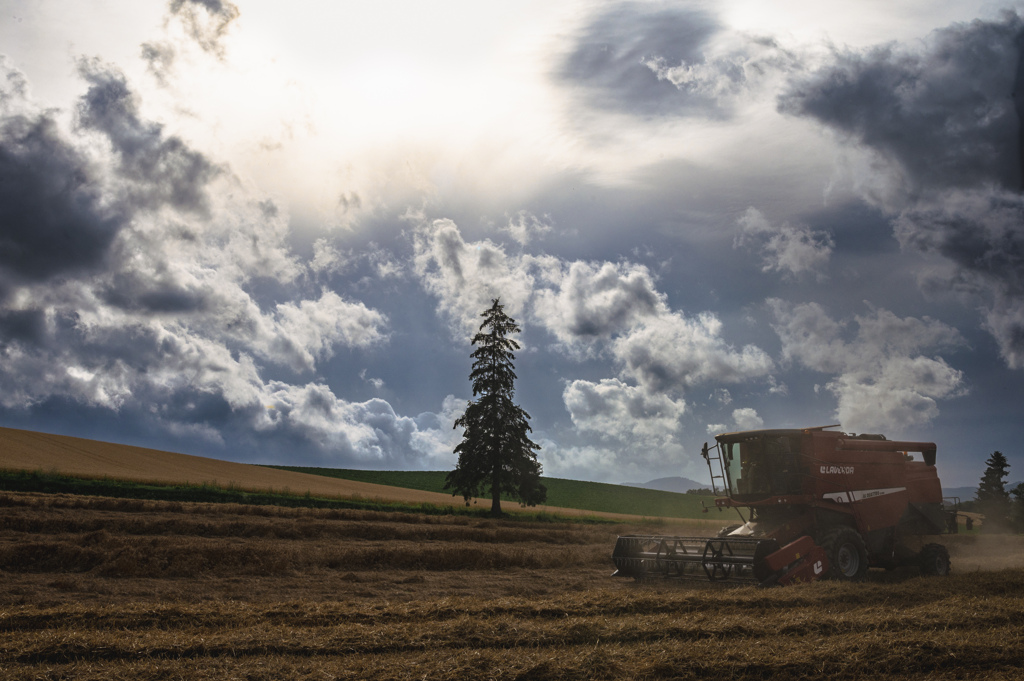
(264, 231)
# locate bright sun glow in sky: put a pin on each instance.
(458, 88)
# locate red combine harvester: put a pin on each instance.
(819, 503)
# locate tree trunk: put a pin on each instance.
(496, 492)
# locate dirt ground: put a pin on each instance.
(100, 588)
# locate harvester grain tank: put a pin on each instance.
(814, 503)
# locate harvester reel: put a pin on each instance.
(714, 567)
(846, 552)
(934, 560)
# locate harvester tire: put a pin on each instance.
(934, 560)
(846, 553)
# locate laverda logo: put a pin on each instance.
(837, 470)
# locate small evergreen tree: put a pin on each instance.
(496, 454)
(993, 499)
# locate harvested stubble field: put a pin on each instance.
(98, 588)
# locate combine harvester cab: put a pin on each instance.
(819, 504)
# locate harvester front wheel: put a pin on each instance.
(846, 553)
(934, 560)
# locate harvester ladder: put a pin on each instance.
(720, 476)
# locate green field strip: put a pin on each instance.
(56, 483)
(585, 496)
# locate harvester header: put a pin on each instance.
(819, 503)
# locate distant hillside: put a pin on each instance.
(967, 493)
(674, 484)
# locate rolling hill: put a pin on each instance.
(589, 496)
(24, 450)
(676, 484)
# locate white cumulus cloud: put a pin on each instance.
(465, 277)
(746, 419)
(791, 250)
(613, 409)
(882, 379)
(583, 302)
(674, 352)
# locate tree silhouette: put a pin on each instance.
(993, 499)
(496, 455)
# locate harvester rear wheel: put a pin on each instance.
(934, 560)
(846, 553)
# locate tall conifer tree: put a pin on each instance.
(496, 455)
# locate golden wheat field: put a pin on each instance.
(34, 451)
(98, 588)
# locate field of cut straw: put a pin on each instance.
(99, 588)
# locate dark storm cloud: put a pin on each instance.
(159, 295)
(188, 406)
(160, 169)
(993, 245)
(945, 121)
(608, 58)
(22, 326)
(944, 116)
(981, 234)
(52, 217)
(132, 347)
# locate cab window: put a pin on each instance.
(762, 466)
